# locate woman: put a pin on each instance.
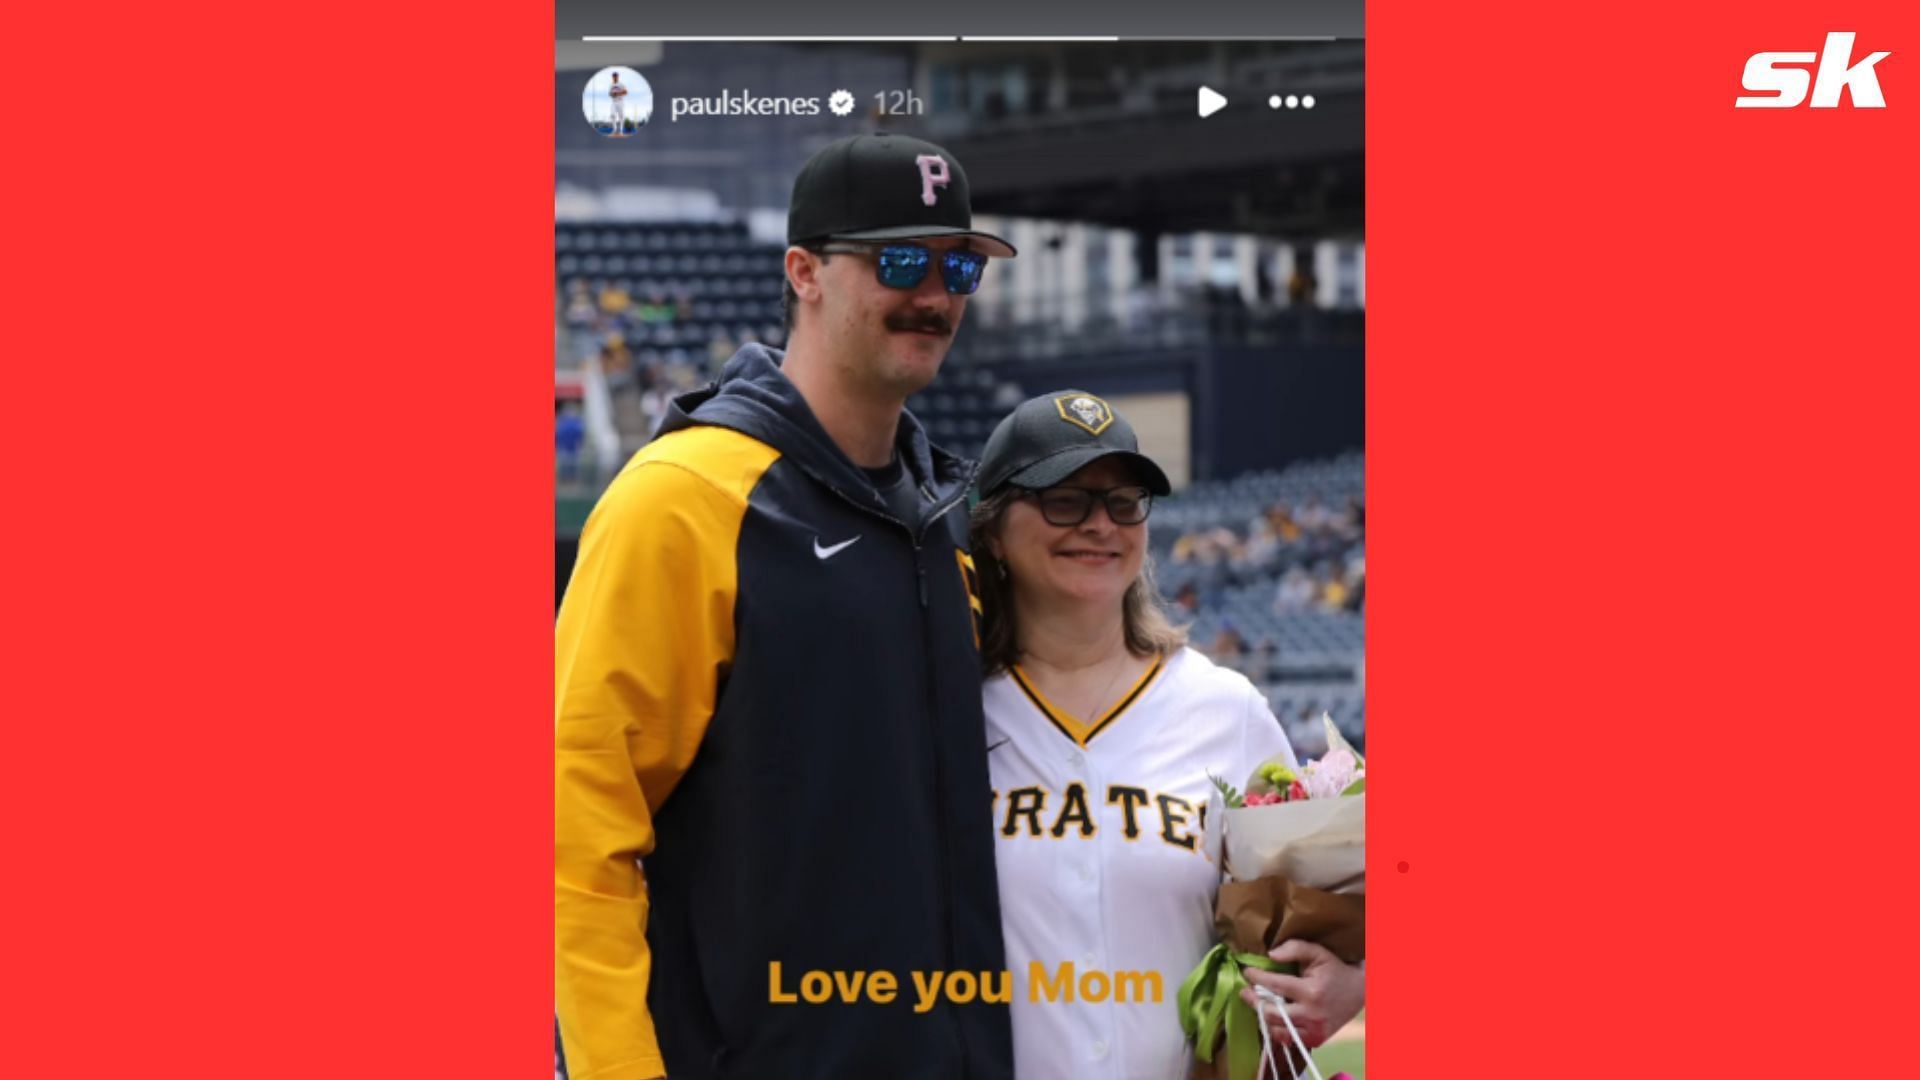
(1102, 728)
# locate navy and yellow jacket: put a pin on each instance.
(768, 690)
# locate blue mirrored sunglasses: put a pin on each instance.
(905, 266)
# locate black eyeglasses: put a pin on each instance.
(1069, 506)
(905, 266)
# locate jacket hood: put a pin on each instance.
(752, 396)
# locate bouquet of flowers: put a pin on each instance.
(1295, 858)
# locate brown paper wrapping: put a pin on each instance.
(1256, 916)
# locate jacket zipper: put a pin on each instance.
(939, 769)
(933, 726)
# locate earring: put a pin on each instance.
(1003, 570)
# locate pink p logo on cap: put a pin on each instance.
(933, 173)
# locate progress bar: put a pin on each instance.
(999, 38)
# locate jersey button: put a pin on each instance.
(1100, 1049)
(1076, 758)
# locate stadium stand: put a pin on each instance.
(1270, 569)
(1268, 565)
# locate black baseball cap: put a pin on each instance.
(1055, 435)
(880, 187)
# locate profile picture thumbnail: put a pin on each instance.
(618, 102)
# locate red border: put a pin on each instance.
(278, 702)
(1641, 392)
(1641, 386)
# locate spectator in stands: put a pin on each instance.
(569, 433)
(580, 307)
(723, 748)
(1263, 543)
(656, 308)
(1187, 598)
(1296, 591)
(1224, 545)
(1350, 523)
(615, 358)
(1228, 647)
(1281, 516)
(614, 300)
(1331, 593)
(1263, 666)
(1080, 656)
(1356, 579)
(1315, 519)
(1184, 548)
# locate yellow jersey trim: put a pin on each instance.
(1073, 727)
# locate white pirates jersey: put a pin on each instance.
(1106, 862)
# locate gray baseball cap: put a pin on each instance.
(1053, 436)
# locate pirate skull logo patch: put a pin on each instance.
(1085, 410)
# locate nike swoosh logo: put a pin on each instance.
(829, 552)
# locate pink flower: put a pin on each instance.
(1297, 790)
(1330, 775)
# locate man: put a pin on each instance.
(619, 95)
(768, 685)
(569, 433)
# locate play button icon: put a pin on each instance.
(1210, 101)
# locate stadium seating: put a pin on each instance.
(1232, 502)
(1306, 659)
(963, 405)
(695, 290)
(727, 282)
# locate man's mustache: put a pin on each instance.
(931, 321)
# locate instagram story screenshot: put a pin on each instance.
(960, 535)
(1137, 540)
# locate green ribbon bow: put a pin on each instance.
(1210, 996)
